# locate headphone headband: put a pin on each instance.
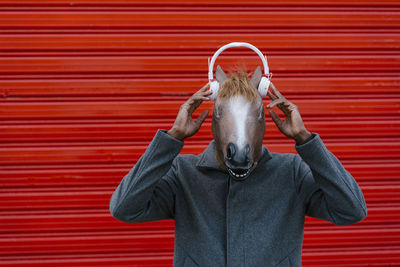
(236, 44)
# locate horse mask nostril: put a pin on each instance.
(231, 151)
(247, 151)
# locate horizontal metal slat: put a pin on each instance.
(352, 257)
(161, 240)
(71, 220)
(208, 3)
(193, 64)
(93, 259)
(157, 42)
(78, 220)
(193, 19)
(96, 198)
(169, 109)
(296, 86)
(129, 152)
(107, 175)
(354, 237)
(349, 258)
(140, 131)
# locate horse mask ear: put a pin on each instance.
(220, 75)
(256, 78)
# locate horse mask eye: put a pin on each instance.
(261, 112)
(218, 111)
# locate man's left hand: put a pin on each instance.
(292, 126)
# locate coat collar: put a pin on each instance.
(207, 158)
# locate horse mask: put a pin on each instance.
(238, 121)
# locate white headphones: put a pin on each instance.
(265, 80)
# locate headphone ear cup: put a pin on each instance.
(263, 86)
(214, 87)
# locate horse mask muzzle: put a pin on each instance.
(238, 161)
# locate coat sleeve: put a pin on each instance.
(147, 192)
(328, 189)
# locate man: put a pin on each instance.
(223, 222)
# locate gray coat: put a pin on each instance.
(223, 222)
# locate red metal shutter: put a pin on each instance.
(85, 84)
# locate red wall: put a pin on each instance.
(84, 85)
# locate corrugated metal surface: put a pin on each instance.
(85, 84)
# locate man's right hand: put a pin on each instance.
(184, 126)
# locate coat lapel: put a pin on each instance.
(207, 158)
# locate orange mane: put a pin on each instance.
(238, 83)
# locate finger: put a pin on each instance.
(275, 102)
(201, 119)
(201, 95)
(196, 99)
(194, 102)
(205, 87)
(273, 97)
(193, 105)
(282, 104)
(275, 118)
(200, 98)
(204, 93)
(276, 92)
